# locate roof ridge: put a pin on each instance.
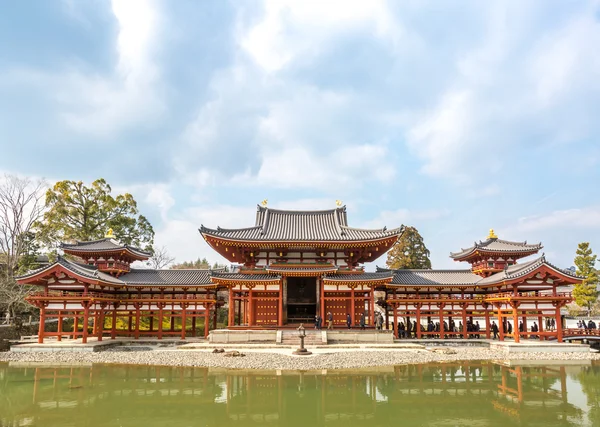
(292, 211)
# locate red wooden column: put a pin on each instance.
(206, 320)
(541, 326)
(500, 323)
(515, 316)
(113, 330)
(395, 326)
(280, 304)
(442, 332)
(463, 306)
(42, 324)
(488, 325)
(86, 319)
(559, 326)
(137, 321)
(100, 327)
(418, 333)
(231, 312)
(352, 307)
(372, 306)
(59, 328)
(161, 307)
(194, 322)
(130, 323)
(322, 290)
(250, 308)
(183, 319)
(75, 326)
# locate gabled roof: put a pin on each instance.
(103, 245)
(285, 225)
(192, 277)
(492, 245)
(86, 271)
(519, 270)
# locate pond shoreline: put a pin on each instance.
(278, 360)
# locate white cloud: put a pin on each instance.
(290, 29)
(99, 105)
(581, 218)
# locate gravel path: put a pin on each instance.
(271, 361)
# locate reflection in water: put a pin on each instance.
(470, 393)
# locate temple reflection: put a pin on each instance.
(481, 393)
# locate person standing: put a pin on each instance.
(495, 330)
(348, 320)
(362, 321)
(329, 321)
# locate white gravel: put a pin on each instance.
(272, 360)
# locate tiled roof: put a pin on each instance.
(88, 271)
(359, 277)
(242, 276)
(324, 269)
(518, 270)
(435, 277)
(167, 277)
(284, 225)
(102, 245)
(497, 245)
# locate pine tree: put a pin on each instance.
(585, 293)
(409, 251)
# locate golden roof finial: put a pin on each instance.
(109, 234)
(264, 203)
(492, 235)
(338, 203)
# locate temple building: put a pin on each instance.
(290, 267)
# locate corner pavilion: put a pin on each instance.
(293, 265)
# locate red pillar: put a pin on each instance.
(113, 331)
(42, 325)
(231, 312)
(206, 320)
(464, 321)
(75, 326)
(559, 326)
(250, 309)
(86, 319)
(215, 316)
(442, 320)
(59, 328)
(194, 322)
(352, 307)
(500, 324)
(395, 328)
(488, 325)
(160, 321)
(100, 327)
(137, 322)
(515, 316)
(183, 321)
(418, 333)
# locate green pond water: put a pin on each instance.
(452, 394)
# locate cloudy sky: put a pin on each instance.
(453, 117)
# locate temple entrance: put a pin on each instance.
(301, 299)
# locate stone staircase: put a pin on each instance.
(290, 338)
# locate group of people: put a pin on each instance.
(451, 330)
(589, 325)
(362, 322)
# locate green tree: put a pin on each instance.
(409, 251)
(202, 264)
(585, 293)
(75, 211)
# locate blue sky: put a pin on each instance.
(453, 117)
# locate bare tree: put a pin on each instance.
(161, 258)
(21, 206)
